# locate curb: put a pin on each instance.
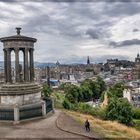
(75, 133)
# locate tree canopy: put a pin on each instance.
(119, 109)
(86, 91)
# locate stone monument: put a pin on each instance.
(20, 99)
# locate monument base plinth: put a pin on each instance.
(21, 101)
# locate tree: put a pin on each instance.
(102, 84)
(96, 87)
(86, 93)
(117, 90)
(88, 83)
(72, 93)
(119, 109)
(46, 90)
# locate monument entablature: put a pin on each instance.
(18, 44)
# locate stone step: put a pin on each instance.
(19, 92)
(19, 89)
(19, 85)
(12, 91)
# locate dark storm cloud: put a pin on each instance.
(97, 33)
(125, 43)
(135, 30)
(94, 34)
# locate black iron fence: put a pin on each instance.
(26, 112)
(6, 114)
(30, 111)
(49, 105)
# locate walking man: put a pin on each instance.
(87, 125)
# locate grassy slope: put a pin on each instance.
(102, 128)
(137, 123)
(58, 99)
(106, 129)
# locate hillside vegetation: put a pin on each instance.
(106, 129)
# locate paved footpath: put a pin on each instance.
(50, 127)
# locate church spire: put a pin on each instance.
(138, 55)
(88, 60)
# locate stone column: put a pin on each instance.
(17, 64)
(16, 115)
(9, 77)
(5, 64)
(31, 65)
(26, 71)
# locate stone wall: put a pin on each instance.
(20, 99)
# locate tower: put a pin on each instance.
(58, 73)
(88, 60)
(137, 59)
(137, 66)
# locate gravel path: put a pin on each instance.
(41, 128)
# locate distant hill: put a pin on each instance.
(1, 64)
(36, 64)
(42, 65)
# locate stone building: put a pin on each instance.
(133, 95)
(79, 71)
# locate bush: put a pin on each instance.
(136, 113)
(46, 90)
(67, 104)
(83, 108)
(58, 99)
(99, 112)
(87, 109)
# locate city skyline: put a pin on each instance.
(71, 31)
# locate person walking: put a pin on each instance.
(87, 125)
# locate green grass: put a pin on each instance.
(137, 123)
(106, 129)
(58, 99)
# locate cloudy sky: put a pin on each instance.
(71, 31)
